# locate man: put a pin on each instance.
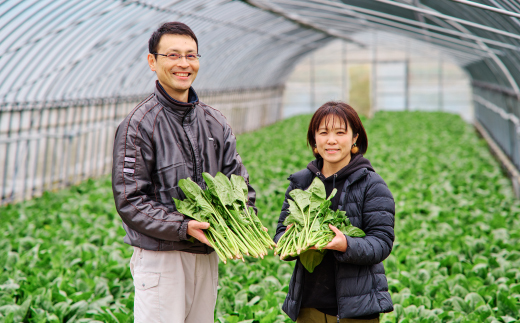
(169, 136)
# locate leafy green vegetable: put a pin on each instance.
(234, 227)
(457, 233)
(312, 258)
(309, 218)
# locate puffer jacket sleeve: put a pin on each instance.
(378, 214)
(133, 163)
(280, 228)
(232, 163)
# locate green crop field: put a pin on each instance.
(456, 257)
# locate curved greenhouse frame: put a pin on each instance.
(70, 70)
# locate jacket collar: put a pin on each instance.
(356, 163)
(357, 175)
(303, 178)
(176, 106)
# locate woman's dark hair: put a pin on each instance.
(344, 112)
(171, 28)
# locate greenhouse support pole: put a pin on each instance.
(441, 85)
(407, 78)
(344, 90)
(374, 77)
(312, 83)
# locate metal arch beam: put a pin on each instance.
(5, 69)
(56, 31)
(68, 64)
(108, 44)
(108, 64)
(239, 46)
(489, 8)
(414, 34)
(495, 58)
(348, 8)
(420, 17)
(234, 29)
(106, 57)
(18, 27)
(53, 53)
(244, 46)
(513, 5)
(78, 43)
(500, 69)
(445, 39)
(262, 60)
(441, 39)
(462, 57)
(61, 70)
(216, 21)
(295, 18)
(451, 18)
(93, 83)
(109, 67)
(248, 49)
(369, 15)
(222, 40)
(45, 54)
(373, 15)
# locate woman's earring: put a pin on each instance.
(354, 149)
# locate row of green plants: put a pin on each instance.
(456, 257)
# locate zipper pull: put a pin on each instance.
(337, 316)
(334, 181)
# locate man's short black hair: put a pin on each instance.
(172, 28)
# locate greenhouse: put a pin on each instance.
(435, 82)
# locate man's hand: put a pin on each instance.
(195, 230)
(339, 242)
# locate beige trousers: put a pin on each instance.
(312, 315)
(174, 286)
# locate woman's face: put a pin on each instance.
(334, 141)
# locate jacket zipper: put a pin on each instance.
(196, 173)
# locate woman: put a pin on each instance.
(350, 284)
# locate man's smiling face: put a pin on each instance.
(175, 76)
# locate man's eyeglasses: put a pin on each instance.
(175, 56)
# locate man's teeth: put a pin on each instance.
(181, 74)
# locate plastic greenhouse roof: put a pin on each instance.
(483, 37)
(74, 49)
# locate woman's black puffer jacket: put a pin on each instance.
(361, 285)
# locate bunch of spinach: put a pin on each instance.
(308, 225)
(234, 226)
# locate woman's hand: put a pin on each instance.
(339, 242)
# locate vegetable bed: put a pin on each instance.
(456, 257)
